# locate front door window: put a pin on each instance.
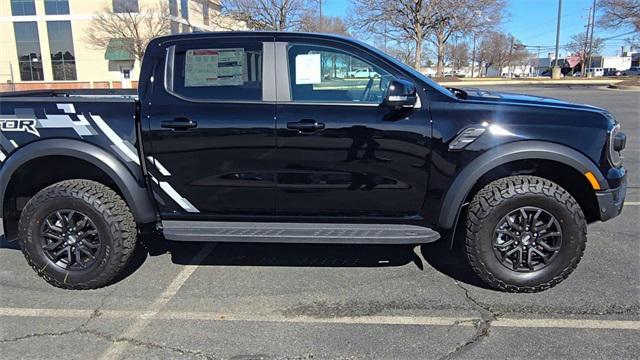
(323, 74)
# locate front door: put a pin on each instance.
(212, 131)
(339, 152)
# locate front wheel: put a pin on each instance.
(524, 234)
(77, 234)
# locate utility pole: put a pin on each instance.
(555, 72)
(593, 24)
(510, 57)
(585, 46)
(473, 55)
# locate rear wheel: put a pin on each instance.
(77, 234)
(524, 234)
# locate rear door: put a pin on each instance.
(211, 128)
(339, 152)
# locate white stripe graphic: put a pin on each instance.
(2, 156)
(67, 108)
(15, 144)
(163, 170)
(173, 194)
(115, 139)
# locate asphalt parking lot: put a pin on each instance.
(271, 301)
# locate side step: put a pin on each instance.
(221, 231)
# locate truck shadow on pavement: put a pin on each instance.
(438, 255)
(450, 262)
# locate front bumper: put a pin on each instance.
(610, 202)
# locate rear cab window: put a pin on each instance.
(217, 70)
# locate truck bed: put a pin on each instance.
(104, 118)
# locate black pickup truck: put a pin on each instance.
(269, 137)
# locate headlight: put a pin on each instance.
(617, 142)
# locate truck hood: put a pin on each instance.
(523, 99)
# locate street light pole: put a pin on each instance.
(555, 72)
(593, 23)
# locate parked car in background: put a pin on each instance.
(612, 72)
(634, 70)
(363, 74)
(595, 72)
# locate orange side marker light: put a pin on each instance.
(592, 179)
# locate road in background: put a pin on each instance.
(270, 301)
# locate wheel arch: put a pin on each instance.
(468, 178)
(135, 195)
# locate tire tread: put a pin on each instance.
(495, 193)
(109, 205)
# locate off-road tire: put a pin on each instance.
(496, 200)
(108, 211)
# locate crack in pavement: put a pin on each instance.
(482, 326)
(112, 339)
(82, 329)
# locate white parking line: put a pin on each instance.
(148, 315)
(143, 318)
(631, 203)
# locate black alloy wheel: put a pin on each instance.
(70, 239)
(527, 239)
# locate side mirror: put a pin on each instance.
(400, 94)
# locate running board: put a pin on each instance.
(219, 231)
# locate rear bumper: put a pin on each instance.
(610, 202)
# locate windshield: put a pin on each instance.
(408, 69)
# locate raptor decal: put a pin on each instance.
(26, 125)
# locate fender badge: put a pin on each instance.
(27, 125)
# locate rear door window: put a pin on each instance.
(228, 71)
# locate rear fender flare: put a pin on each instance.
(136, 196)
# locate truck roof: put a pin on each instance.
(208, 34)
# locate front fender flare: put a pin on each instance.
(522, 150)
(135, 195)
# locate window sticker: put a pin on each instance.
(308, 69)
(214, 67)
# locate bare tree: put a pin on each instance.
(330, 24)
(499, 50)
(454, 17)
(135, 28)
(405, 19)
(580, 45)
(278, 15)
(401, 49)
(620, 13)
(457, 55)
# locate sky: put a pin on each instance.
(533, 22)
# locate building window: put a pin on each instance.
(125, 6)
(63, 61)
(173, 7)
(56, 7)
(184, 9)
(28, 45)
(23, 7)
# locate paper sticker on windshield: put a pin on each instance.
(308, 69)
(214, 67)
